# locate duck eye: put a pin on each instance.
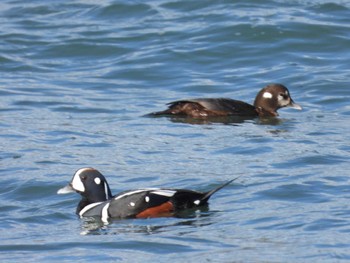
(283, 95)
(83, 177)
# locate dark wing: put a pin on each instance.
(208, 107)
(181, 108)
(188, 199)
(184, 199)
(232, 107)
(141, 203)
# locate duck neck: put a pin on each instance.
(266, 112)
(83, 202)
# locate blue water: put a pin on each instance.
(76, 79)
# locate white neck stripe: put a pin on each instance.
(87, 208)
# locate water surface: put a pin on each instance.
(76, 79)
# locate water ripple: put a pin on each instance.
(76, 79)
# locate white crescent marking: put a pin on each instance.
(104, 216)
(77, 184)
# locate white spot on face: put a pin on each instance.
(267, 95)
(132, 203)
(97, 180)
(77, 184)
(147, 199)
(197, 202)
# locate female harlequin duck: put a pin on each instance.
(267, 102)
(97, 199)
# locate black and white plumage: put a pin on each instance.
(267, 102)
(97, 199)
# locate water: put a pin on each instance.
(76, 78)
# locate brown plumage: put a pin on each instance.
(267, 102)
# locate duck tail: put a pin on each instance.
(207, 195)
(158, 113)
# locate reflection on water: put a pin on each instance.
(188, 217)
(228, 120)
(274, 121)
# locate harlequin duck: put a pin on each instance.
(267, 102)
(97, 199)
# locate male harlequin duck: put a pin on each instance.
(267, 102)
(97, 199)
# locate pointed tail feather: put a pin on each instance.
(206, 197)
(158, 114)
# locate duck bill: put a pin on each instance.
(294, 105)
(66, 190)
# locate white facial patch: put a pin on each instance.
(197, 202)
(282, 101)
(77, 184)
(97, 180)
(267, 95)
(147, 199)
(132, 203)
